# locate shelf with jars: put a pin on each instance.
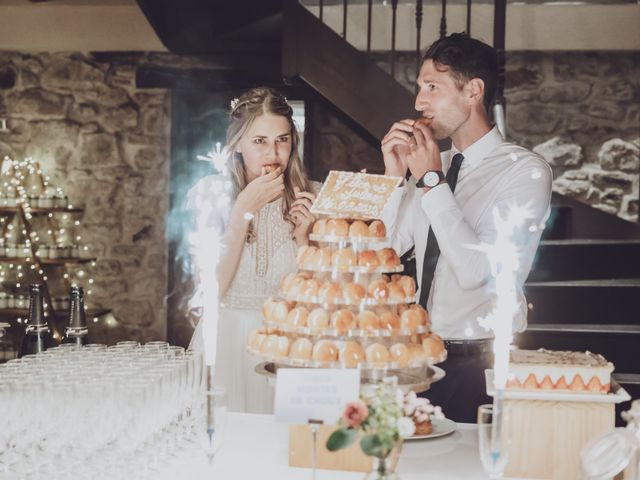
(349, 306)
(39, 244)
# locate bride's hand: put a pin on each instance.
(300, 212)
(261, 191)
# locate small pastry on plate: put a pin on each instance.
(353, 293)
(389, 321)
(351, 354)
(342, 320)
(279, 311)
(298, 317)
(309, 289)
(322, 257)
(337, 227)
(358, 229)
(318, 319)
(367, 320)
(377, 353)
(319, 226)
(400, 354)
(378, 290)
(388, 258)
(433, 346)
(343, 258)
(396, 293)
(408, 284)
(377, 229)
(368, 258)
(301, 349)
(325, 351)
(329, 292)
(411, 319)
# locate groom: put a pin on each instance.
(448, 205)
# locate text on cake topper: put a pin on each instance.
(349, 194)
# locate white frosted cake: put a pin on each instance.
(559, 370)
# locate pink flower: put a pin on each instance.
(355, 413)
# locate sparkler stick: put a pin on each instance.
(503, 257)
(206, 242)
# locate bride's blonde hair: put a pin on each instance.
(244, 110)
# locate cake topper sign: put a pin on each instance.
(349, 194)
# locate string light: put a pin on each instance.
(19, 191)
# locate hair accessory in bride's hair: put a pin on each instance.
(234, 103)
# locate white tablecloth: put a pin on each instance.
(256, 447)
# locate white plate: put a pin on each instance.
(441, 427)
(616, 395)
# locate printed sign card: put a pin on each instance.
(304, 394)
(354, 195)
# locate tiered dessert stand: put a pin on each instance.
(348, 306)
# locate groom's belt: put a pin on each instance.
(469, 347)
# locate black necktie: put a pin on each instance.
(432, 252)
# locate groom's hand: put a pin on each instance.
(424, 153)
(395, 148)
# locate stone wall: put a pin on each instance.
(106, 144)
(581, 111)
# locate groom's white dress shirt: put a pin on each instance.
(494, 175)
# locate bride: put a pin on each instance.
(269, 184)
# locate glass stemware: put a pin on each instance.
(492, 440)
(215, 419)
(121, 411)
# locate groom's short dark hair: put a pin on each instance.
(467, 58)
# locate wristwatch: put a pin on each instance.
(431, 179)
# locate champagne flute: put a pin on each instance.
(215, 418)
(493, 441)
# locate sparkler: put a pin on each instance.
(209, 198)
(503, 257)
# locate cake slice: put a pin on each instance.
(559, 370)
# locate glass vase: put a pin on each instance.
(384, 468)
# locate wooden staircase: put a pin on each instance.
(301, 50)
(586, 277)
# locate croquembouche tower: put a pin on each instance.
(348, 305)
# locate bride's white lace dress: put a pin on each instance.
(262, 266)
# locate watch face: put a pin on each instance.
(431, 179)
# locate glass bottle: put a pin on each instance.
(37, 337)
(76, 331)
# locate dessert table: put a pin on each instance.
(255, 446)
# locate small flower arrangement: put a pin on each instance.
(384, 419)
